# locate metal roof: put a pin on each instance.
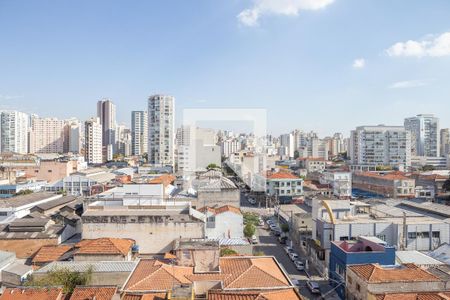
(18, 201)
(416, 257)
(97, 266)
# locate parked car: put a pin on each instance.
(299, 265)
(288, 250)
(282, 239)
(273, 227)
(269, 222)
(254, 239)
(313, 287)
(293, 256)
(276, 232)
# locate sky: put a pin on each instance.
(323, 65)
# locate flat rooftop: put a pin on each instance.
(18, 201)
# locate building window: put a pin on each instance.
(382, 237)
(358, 287)
(412, 235)
(436, 234)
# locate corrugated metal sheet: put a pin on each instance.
(97, 266)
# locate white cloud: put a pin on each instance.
(434, 46)
(409, 84)
(251, 16)
(359, 63)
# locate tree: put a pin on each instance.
(249, 230)
(296, 154)
(63, 277)
(24, 192)
(285, 228)
(428, 168)
(212, 166)
(251, 218)
(227, 252)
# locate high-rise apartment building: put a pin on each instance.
(46, 135)
(139, 132)
(14, 126)
(380, 146)
(93, 141)
(445, 142)
(123, 140)
(106, 112)
(161, 130)
(73, 136)
(425, 135)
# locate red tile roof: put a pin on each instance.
(221, 209)
(50, 253)
(415, 296)
(165, 179)
(105, 246)
(32, 294)
(282, 175)
(236, 273)
(149, 296)
(374, 273)
(287, 294)
(93, 293)
(397, 175)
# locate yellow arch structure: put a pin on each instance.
(329, 211)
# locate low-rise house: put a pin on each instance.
(20, 206)
(367, 280)
(284, 185)
(103, 272)
(10, 190)
(15, 274)
(312, 164)
(32, 293)
(104, 249)
(223, 222)
(340, 182)
(27, 235)
(95, 293)
(153, 227)
(235, 275)
(364, 250)
(213, 189)
(53, 206)
(51, 253)
(392, 184)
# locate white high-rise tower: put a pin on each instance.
(425, 135)
(14, 132)
(139, 132)
(93, 141)
(161, 130)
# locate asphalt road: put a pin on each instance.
(269, 245)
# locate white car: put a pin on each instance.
(293, 256)
(300, 266)
(254, 239)
(313, 287)
(288, 250)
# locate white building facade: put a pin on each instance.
(380, 146)
(139, 132)
(14, 132)
(46, 135)
(93, 141)
(161, 130)
(425, 135)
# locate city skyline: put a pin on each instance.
(238, 54)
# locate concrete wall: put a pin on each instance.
(219, 198)
(150, 237)
(227, 225)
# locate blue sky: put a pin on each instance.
(313, 64)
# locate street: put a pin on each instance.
(269, 245)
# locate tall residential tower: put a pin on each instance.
(106, 112)
(161, 130)
(93, 141)
(425, 135)
(139, 132)
(14, 132)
